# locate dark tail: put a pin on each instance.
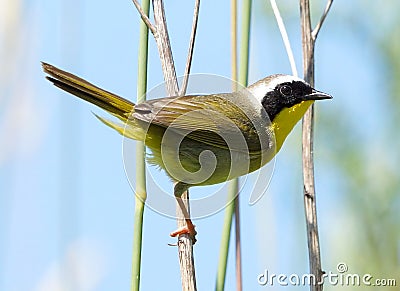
(108, 101)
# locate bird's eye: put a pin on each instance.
(285, 90)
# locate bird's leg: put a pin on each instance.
(179, 189)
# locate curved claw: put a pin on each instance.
(188, 229)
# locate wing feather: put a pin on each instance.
(210, 119)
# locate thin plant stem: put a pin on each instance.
(243, 81)
(164, 48)
(308, 41)
(245, 43)
(226, 234)
(317, 28)
(185, 243)
(140, 192)
(145, 16)
(232, 187)
(232, 208)
(310, 206)
(285, 37)
(191, 48)
(234, 49)
(238, 244)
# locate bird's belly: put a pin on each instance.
(196, 163)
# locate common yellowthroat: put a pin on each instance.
(204, 139)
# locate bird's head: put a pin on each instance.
(285, 99)
(277, 92)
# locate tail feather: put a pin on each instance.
(114, 104)
(132, 131)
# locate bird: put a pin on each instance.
(203, 140)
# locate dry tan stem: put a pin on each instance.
(191, 47)
(321, 21)
(144, 17)
(185, 247)
(308, 41)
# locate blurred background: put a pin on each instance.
(66, 207)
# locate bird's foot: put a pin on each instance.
(188, 229)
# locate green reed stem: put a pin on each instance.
(233, 186)
(141, 194)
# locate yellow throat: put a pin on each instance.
(285, 120)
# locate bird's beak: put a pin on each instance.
(317, 95)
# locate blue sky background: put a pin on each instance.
(66, 207)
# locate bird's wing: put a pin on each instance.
(210, 119)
